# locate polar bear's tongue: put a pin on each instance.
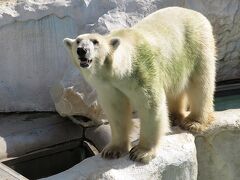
(85, 62)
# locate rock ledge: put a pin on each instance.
(213, 155)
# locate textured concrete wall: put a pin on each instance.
(31, 61)
(32, 56)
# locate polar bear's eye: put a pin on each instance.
(77, 41)
(94, 41)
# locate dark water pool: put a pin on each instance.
(227, 102)
(50, 161)
(227, 95)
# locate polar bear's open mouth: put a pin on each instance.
(84, 62)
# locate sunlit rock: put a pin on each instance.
(74, 96)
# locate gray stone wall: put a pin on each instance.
(32, 56)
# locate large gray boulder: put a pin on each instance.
(32, 56)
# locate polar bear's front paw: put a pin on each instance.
(141, 154)
(113, 152)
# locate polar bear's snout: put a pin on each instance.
(81, 52)
(85, 50)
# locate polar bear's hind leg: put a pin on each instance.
(200, 93)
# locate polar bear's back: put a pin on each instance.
(181, 38)
(172, 17)
(172, 24)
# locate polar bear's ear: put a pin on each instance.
(115, 42)
(68, 42)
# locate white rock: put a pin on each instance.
(218, 149)
(32, 56)
(176, 158)
(217, 157)
(74, 96)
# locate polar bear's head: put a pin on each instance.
(89, 49)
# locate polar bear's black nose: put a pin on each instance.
(81, 52)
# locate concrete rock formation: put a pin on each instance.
(218, 149)
(174, 160)
(212, 155)
(32, 56)
(74, 96)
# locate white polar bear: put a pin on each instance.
(152, 66)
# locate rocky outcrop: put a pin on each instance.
(211, 155)
(218, 149)
(174, 160)
(32, 56)
(74, 96)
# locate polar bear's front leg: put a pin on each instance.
(117, 108)
(154, 124)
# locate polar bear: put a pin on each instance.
(159, 66)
